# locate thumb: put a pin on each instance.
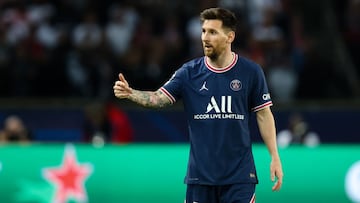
(122, 79)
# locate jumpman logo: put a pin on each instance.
(203, 87)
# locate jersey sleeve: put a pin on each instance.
(173, 87)
(260, 96)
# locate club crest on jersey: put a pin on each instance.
(235, 85)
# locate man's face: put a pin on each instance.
(214, 38)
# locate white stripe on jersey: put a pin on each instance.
(262, 106)
(168, 95)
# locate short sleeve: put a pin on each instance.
(173, 87)
(260, 96)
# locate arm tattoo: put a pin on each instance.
(155, 99)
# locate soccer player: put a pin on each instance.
(219, 92)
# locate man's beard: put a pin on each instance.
(213, 55)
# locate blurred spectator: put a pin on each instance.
(298, 42)
(282, 80)
(282, 76)
(266, 31)
(298, 132)
(47, 33)
(193, 31)
(268, 36)
(106, 123)
(122, 131)
(120, 28)
(87, 35)
(257, 10)
(16, 21)
(14, 130)
(88, 69)
(97, 127)
(30, 58)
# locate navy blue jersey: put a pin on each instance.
(218, 104)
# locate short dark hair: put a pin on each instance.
(227, 17)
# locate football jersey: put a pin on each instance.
(218, 104)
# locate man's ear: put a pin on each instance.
(231, 37)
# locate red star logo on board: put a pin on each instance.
(69, 178)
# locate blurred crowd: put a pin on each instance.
(68, 48)
(99, 123)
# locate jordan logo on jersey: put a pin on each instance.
(203, 87)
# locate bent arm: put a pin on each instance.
(266, 123)
(154, 99)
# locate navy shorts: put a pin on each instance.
(236, 193)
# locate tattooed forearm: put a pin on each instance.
(150, 99)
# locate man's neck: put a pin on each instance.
(222, 61)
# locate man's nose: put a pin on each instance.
(205, 37)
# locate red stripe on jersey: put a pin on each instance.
(253, 199)
(221, 70)
(262, 106)
(171, 98)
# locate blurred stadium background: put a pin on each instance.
(59, 60)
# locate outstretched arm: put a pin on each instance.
(266, 123)
(154, 99)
